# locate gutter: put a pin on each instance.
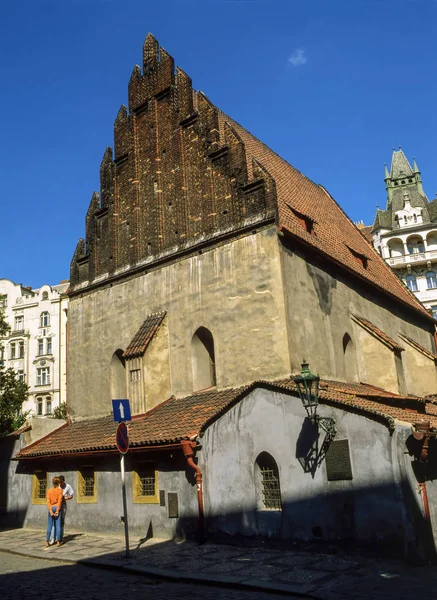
(188, 448)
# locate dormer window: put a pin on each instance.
(360, 258)
(305, 221)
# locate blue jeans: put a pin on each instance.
(53, 522)
(59, 536)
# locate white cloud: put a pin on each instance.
(298, 58)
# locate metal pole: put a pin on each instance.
(123, 489)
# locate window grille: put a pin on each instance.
(146, 482)
(135, 375)
(41, 485)
(270, 488)
(87, 483)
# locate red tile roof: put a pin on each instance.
(378, 333)
(333, 235)
(144, 335)
(177, 419)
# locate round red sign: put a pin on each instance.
(122, 438)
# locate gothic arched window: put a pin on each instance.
(350, 359)
(267, 483)
(118, 375)
(203, 359)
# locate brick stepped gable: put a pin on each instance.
(172, 182)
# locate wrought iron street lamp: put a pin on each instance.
(308, 390)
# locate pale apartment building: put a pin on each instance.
(36, 344)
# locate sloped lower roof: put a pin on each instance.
(333, 234)
(144, 335)
(378, 333)
(418, 347)
(177, 419)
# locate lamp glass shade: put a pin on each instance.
(307, 386)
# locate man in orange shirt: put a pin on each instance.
(54, 504)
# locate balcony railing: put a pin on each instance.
(414, 258)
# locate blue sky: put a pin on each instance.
(331, 86)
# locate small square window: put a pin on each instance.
(145, 484)
(86, 485)
(39, 487)
(135, 374)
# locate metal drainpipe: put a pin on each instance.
(188, 450)
(422, 433)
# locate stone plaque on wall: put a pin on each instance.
(173, 505)
(338, 461)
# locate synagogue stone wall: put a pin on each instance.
(313, 507)
(104, 515)
(234, 290)
(320, 302)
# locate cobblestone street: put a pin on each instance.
(190, 569)
(24, 577)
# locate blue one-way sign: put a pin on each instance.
(121, 410)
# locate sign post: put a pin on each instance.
(121, 410)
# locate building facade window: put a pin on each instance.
(39, 407)
(3, 301)
(21, 377)
(21, 349)
(203, 359)
(39, 487)
(19, 323)
(44, 320)
(135, 374)
(434, 311)
(43, 376)
(13, 350)
(411, 282)
(268, 483)
(431, 280)
(44, 346)
(86, 485)
(48, 405)
(145, 484)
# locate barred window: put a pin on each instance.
(145, 483)
(269, 488)
(86, 485)
(39, 487)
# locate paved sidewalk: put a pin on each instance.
(306, 573)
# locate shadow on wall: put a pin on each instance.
(371, 519)
(8, 518)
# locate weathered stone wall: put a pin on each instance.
(234, 290)
(104, 515)
(371, 508)
(320, 302)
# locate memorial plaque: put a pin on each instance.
(173, 505)
(161, 497)
(338, 461)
